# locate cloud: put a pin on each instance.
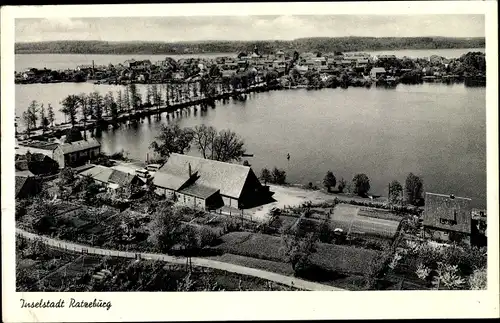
(192, 28)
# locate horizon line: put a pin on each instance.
(235, 40)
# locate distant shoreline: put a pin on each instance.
(322, 44)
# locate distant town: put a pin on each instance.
(290, 69)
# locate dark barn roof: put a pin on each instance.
(199, 191)
(228, 178)
(440, 207)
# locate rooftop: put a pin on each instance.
(447, 212)
(229, 178)
(198, 190)
(80, 145)
(45, 145)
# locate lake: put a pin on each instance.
(437, 131)
(71, 61)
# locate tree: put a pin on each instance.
(278, 176)
(395, 191)
(414, 189)
(70, 107)
(119, 100)
(30, 116)
(149, 95)
(44, 122)
(165, 228)
(51, 115)
(156, 96)
(72, 135)
(329, 181)
(126, 100)
(172, 139)
(67, 176)
(108, 102)
(265, 175)
(135, 99)
(342, 185)
(40, 216)
(361, 184)
(204, 139)
(227, 146)
(27, 122)
(91, 189)
(298, 250)
(114, 111)
(84, 105)
(97, 104)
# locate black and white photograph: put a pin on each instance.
(251, 152)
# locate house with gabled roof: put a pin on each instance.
(207, 183)
(77, 153)
(111, 178)
(447, 217)
(65, 154)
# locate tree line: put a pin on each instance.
(323, 44)
(96, 106)
(412, 192)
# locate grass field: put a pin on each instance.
(345, 259)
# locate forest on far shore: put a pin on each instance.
(320, 44)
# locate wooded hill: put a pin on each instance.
(321, 44)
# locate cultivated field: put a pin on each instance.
(350, 219)
(337, 258)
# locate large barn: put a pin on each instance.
(209, 183)
(447, 217)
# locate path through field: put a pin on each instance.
(201, 262)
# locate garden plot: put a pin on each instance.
(351, 220)
(338, 258)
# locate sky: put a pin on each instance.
(174, 29)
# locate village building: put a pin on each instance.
(77, 153)
(377, 72)
(36, 146)
(111, 178)
(66, 154)
(280, 55)
(208, 183)
(447, 217)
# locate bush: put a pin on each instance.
(478, 280)
(206, 237)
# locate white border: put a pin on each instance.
(253, 305)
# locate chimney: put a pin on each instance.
(189, 165)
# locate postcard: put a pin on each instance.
(249, 161)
